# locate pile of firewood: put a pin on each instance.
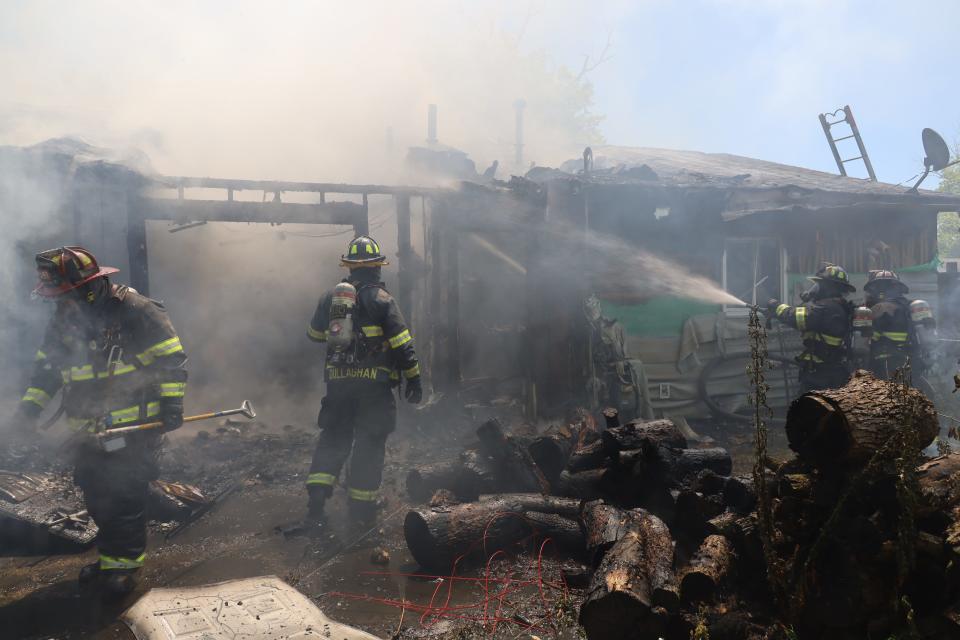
(855, 536)
(621, 498)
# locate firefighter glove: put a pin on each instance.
(414, 390)
(171, 414)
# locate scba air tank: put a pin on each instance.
(340, 330)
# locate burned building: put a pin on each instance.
(757, 228)
(496, 275)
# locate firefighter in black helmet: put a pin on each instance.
(118, 361)
(895, 326)
(825, 322)
(369, 351)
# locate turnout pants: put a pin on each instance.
(353, 424)
(115, 487)
(823, 376)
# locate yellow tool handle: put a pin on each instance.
(246, 409)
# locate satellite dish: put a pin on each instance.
(938, 153)
(937, 158)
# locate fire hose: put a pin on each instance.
(245, 409)
(707, 372)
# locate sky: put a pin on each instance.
(309, 90)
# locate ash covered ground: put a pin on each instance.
(259, 469)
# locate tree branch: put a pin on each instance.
(605, 56)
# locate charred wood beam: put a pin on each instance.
(272, 186)
(404, 251)
(345, 213)
(137, 247)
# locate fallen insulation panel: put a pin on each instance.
(264, 608)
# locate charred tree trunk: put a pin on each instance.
(708, 570)
(467, 477)
(643, 435)
(634, 578)
(848, 425)
(513, 459)
(438, 537)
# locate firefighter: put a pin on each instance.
(895, 324)
(116, 357)
(825, 321)
(368, 350)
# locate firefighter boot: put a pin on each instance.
(117, 583)
(314, 524)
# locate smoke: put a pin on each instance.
(296, 90)
(31, 201)
(640, 274)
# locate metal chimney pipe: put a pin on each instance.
(519, 105)
(432, 124)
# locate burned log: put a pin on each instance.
(939, 481)
(848, 425)
(740, 494)
(585, 485)
(603, 525)
(591, 456)
(708, 570)
(634, 581)
(563, 533)
(668, 467)
(512, 458)
(438, 537)
(643, 435)
(693, 511)
(551, 451)
(467, 477)
(691, 462)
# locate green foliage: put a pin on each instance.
(950, 177)
(948, 234)
(948, 224)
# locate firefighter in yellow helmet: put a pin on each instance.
(825, 321)
(369, 350)
(118, 361)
